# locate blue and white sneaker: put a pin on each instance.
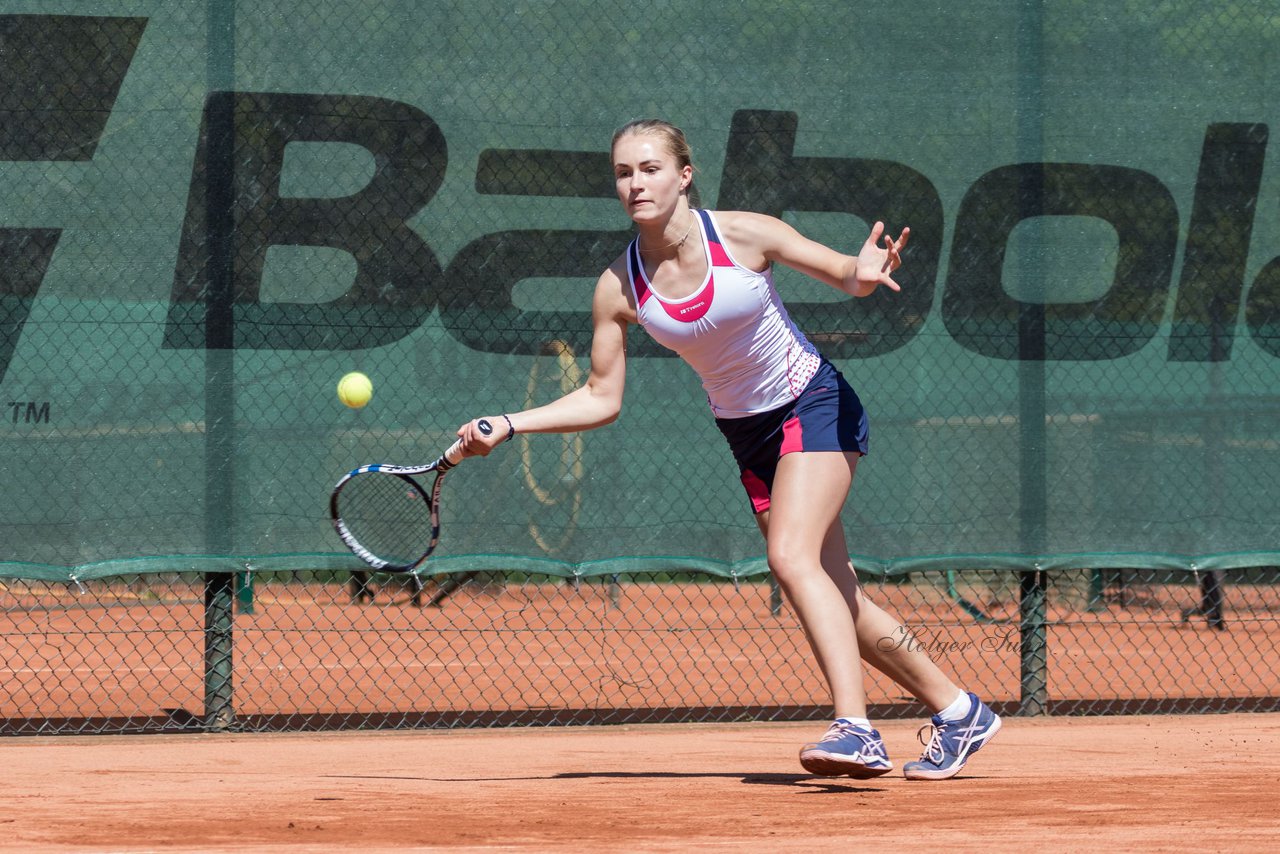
(847, 749)
(953, 742)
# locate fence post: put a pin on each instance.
(1033, 644)
(219, 587)
(775, 596)
(220, 426)
(1031, 363)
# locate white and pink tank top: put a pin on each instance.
(733, 331)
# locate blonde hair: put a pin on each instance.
(672, 137)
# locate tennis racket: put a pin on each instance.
(386, 517)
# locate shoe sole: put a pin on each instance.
(947, 774)
(830, 765)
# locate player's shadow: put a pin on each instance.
(813, 785)
(817, 785)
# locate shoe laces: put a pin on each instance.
(839, 730)
(933, 747)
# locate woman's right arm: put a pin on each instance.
(594, 404)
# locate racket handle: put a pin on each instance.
(453, 456)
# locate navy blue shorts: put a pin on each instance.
(827, 416)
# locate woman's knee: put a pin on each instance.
(790, 561)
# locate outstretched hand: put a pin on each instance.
(876, 263)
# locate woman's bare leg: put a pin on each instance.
(809, 490)
(882, 639)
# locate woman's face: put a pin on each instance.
(647, 177)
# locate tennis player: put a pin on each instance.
(700, 282)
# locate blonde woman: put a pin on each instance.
(700, 283)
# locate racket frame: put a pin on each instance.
(441, 466)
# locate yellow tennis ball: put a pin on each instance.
(354, 389)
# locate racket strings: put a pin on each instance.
(387, 514)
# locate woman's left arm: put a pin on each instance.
(759, 239)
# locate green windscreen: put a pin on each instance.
(212, 211)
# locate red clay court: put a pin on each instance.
(1162, 783)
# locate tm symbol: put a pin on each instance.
(30, 411)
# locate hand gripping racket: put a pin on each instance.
(388, 519)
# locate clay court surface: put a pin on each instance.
(1166, 783)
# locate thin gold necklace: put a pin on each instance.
(678, 243)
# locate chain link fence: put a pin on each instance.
(212, 211)
(317, 650)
